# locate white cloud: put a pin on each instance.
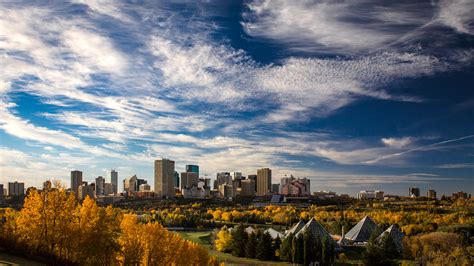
(333, 26)
(397, 142)
(458, 15)
(94, 49)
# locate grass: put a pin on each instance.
(8, 259)
(204, 239)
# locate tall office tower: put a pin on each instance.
(254, 178)
(100, 186)
(130, 184)
(236, 175)
(1, 190)
(264, 181)
(112, 177)
(76, 180)
(176, 179)
(164, 174)
(16, 189)
(414, 192)
(192, 168)
(189, 179)
(248, 188)
(47, 185)
(108, 189)
(431, 194)
(223, 178)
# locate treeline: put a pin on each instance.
(304, 249)
(307, 248)
(53, 225)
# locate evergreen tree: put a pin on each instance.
(317, 249)
(239, 239)
(264, 247)
(286, 247)
(308, 241)
(379, 253)
(251, 246)
(327, 251)
(276, 248)
(298, 249)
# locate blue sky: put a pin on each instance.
(354, 95)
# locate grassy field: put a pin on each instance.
(204, 239)
(8, 259)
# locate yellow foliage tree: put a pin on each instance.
(223, 240)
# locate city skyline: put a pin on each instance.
(384, 103)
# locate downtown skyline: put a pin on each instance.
(309, 89)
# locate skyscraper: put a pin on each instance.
(112, 177)
(16, 188)
(264, 181)
(176, 179)
(431, 194)
(192, 168)
(99, 186)
(1, 190)
(76, 180)
(164, 174)
(414, 192)
(189, 179)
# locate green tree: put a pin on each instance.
(276, 248)
(239, 239)
(251, 246)
(264, 247)
(285, 248)
(379, 252)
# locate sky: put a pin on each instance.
(355, 95)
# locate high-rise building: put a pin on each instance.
(16, 188)
(108, 189)
(236, 175)
(226, 191)
(264, 181)
(223, 178)
(76, 180)
(100, 186)
(130, 184)
(1, 190)
(47, 185)
(85, 190)
(164, 173)
(414, 192)
(189, 179)
(296, 187)
(112, 177)
(275, 188)
(254, 178)
(192, 168)
(431, 194)
(176, 179)
(247, 188)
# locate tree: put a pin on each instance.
(308, 254)
(251, 246)
(223, 240)
(379, 253)
(276, 247)
(238, 241)
(264, 247)
(285, 248)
